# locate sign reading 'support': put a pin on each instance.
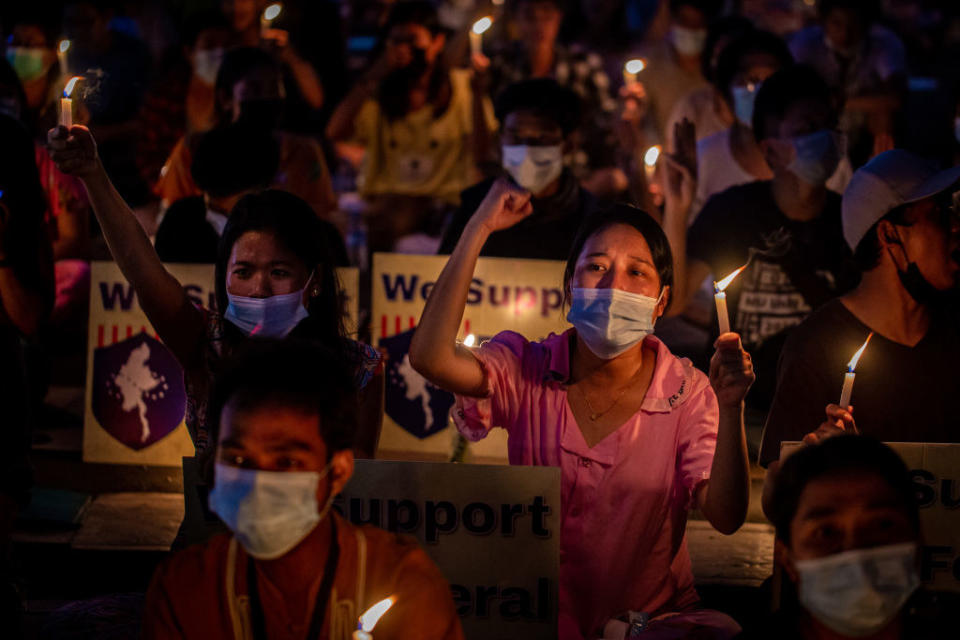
(494, 532)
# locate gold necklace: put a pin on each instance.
(594, 415)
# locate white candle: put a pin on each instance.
(723, 320)
(269, 15)
(362, 635)
(476, 34)
(650, 158)
(847, 390)
(631, 69)
(66, 104)
(849, 377)
(62, 49)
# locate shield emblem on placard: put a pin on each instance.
(138, 393)
(419, 407)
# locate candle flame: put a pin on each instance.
(856, 357)
(470, 340)
(372, 616)
(723, 284)
(67, 90)
(64, 46)
(635, 66)
(271, 12)
(482, 25)
(651, 156)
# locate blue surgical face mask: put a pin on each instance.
(272, 317)
(28, 62)
(743, 99)
(610, 321)
(688, 42)
(270, 512)
(816, 156)
(206, 64)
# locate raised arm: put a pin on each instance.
(724, 499)
(433, 351)
(178, 323)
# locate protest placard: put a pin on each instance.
(135, 400)
(506, 294)
(494, 532)
(935, 469)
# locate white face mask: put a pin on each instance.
(857, 593)
(270, 512)
(533, 168)
(743, 99)
(610, 321)
(688, 42)
(272, 317)
(206, 64)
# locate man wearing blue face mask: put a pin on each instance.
(793, 217)
(291, 567)
(539, 117)
(847, 537)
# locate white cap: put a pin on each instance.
(889, 180)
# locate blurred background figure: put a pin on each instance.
(249, 90)
(414, 127)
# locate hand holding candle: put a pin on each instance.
(476, 34)
(66, 103)
(371, 617)
(720, 297)
(849, 377)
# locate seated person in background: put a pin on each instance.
(898, 218)
(539, 118)
(537, 54)
(793, 215)
(733, 156)
(847, 537)
(420, 128)
(706, 107)
(864, 63)
(292, 567)
(181, 100)
(249, 90)
(673, 65)
(640, 436)
(230, 162)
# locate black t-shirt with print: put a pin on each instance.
(900, 393)
(776, 292)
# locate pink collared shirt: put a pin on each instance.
(625, 500)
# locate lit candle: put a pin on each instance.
(269, 15)
(720, 296)
(849, 377)
(631, 69)
(66, 104)
(470, 340)
(371, 617)
(650, 158)
(476, 34)
(62, 49)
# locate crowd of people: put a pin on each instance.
(802, 148)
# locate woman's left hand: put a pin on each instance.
(731, 370)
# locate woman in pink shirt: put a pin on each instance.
(641, 436)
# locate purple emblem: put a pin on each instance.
(138, 394)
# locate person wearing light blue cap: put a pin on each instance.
(900, 221)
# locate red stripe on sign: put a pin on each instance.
(100, 336)
(129, 331)
(114, 334)
(396, 324)
(466, 327)
(383, 326)
(413, 322)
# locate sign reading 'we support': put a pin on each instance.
(494, 532)
(505, 294)
(135, 398)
